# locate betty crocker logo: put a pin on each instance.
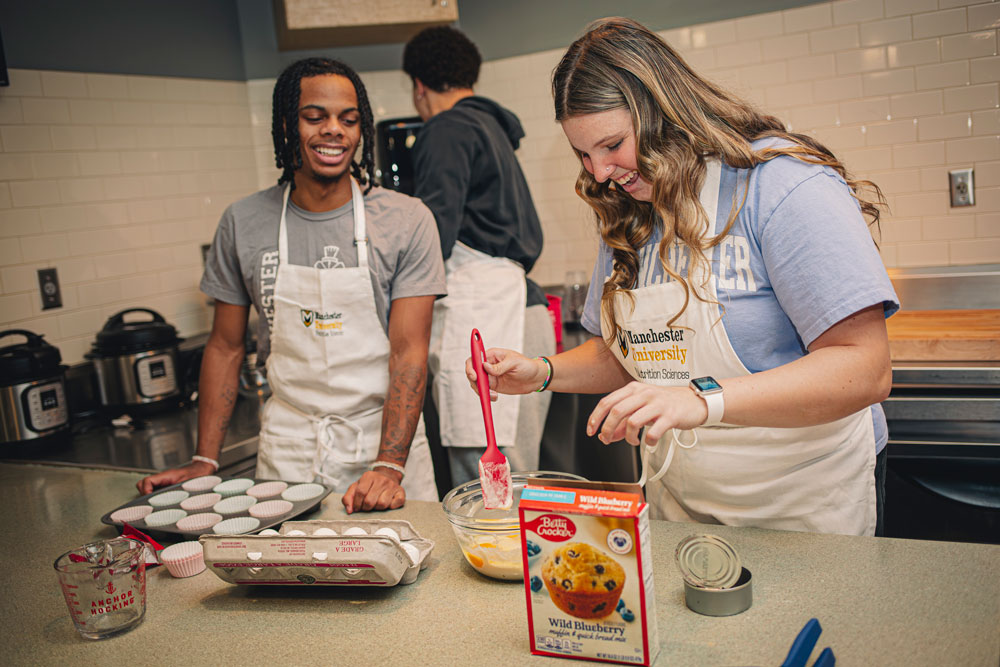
(552, 527)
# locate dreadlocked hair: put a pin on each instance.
(285, 119)
(680, 120)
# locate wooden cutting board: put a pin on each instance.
(944, 335)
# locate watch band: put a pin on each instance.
(716, 407)
(711, 392)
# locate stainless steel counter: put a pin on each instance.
(943, 479)
(159, 442)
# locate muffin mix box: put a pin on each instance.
(589, 571)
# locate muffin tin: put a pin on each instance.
(194, 508)
(341, 552)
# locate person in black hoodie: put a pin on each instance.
(466, 172)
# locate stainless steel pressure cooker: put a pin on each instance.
(32, 391)
(137, 364)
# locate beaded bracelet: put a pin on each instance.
(548, 377)
(205, 459)
(388, 464)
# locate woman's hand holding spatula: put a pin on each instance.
(494, 470)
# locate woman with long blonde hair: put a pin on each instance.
(738, 302)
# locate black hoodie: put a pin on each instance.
(467, 174)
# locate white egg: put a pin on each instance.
(268, 532)
(412, 552)
(294, 533)
(388, 532)
(324, 531)
(354, 530)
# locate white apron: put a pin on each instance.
(329, 373)
(489, 294)
(817, 478)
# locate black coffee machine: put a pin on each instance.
(394, 139)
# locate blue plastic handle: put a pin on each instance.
(825, 659)
(803, 645)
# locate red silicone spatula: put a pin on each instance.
(494, 471)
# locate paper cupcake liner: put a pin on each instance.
(266, 489)
(200, 521)
(270, 508)
(165, 517)
(301, 492)
(200, 502)
(236, 526)
(130, 514)
(199, 484)
(233, 505)
(233, 487)
(168, 498)
(183, 559)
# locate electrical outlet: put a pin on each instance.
(963, 191)
(48, 283)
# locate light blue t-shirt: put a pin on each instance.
(798, 259)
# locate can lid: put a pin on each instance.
(708, 561)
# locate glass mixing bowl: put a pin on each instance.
(491, 539)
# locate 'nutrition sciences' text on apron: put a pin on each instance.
(329, 372)
(818, 478)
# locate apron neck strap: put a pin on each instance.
(360, 237)
(699, 273)
(282, 227)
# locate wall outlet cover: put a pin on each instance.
(48, 285)
(963, 191)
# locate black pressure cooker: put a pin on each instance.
(137, 364)
(32, 391)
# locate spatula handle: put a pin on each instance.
(483, 385)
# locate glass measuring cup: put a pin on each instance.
(104, 584)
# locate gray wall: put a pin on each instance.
(188, 38)
(235, 39)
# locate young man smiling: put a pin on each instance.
(345, 277)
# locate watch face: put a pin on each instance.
(706, 384)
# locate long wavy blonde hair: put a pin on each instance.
(680, 120)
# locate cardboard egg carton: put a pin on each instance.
(309, 559)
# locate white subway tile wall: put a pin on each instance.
(902, 90)
(117, 180)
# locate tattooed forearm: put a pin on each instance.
(403, 403)
(227, 402)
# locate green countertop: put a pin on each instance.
(880, 601)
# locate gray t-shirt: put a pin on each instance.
(404, 252)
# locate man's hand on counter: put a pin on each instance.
(174, 476)
(377, 489)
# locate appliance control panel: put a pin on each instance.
(156, 375)
(46, 405)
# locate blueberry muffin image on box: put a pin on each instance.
(583, 581)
